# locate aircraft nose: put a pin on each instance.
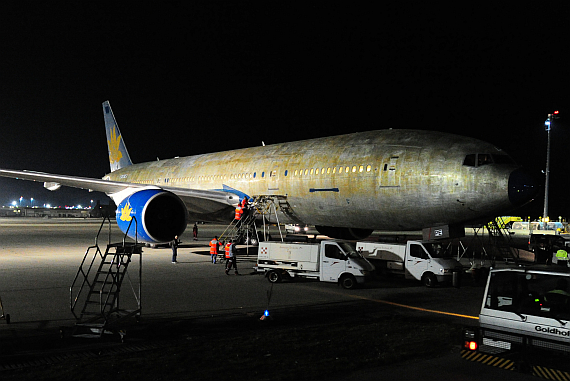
(522, 187)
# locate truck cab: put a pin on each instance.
(533, 301)
(524, 320)
(427, 261)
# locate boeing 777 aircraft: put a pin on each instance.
(347, 185)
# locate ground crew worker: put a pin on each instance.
(214, 249)
(239, 212)
(174, 245)
(562, 257)
(231, 260)
(558, 296)
(244, 207)
(238, 215)
(227, 256)
(195, 231)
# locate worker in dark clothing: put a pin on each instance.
(195, 231)
(174, 245)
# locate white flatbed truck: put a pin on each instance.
(425, 261)
(524, 323)
(326, 261)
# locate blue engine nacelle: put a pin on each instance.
(160, 216)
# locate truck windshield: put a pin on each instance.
(437, 250)
(349, 249)
(530, 294)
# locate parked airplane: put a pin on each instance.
(347, 185)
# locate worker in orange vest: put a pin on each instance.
(214, 249)
(239, 212)
(231, 258)
(227, 249)
(238, 215)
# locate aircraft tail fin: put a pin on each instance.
(118, 155)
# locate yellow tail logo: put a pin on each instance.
(114, 151)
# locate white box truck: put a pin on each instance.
(327, 261)
(523, 322)
(427, 262)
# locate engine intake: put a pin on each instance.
(160, 216)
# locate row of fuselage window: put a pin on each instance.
(355, 169)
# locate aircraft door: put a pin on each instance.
(273, 180)
(416, 261)
(389, 175)
(333, 262)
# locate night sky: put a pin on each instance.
(186, 78)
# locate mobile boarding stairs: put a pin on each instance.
(246, 230)
(96, 290)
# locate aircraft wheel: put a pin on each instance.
(429, 280)
(253, 240)
(274, 276)
(348, 282)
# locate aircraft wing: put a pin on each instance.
(197, 201)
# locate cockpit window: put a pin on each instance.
(480, 159)
(470, 160)
(503, 159)
(484, 159)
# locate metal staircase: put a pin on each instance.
(262, 208)
(502, 242)
(96, 290)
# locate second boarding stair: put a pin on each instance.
(501, 240)
(96, 289)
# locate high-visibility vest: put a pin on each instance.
(228, 249)
(562, 255)
(239, 212)
(214, 247)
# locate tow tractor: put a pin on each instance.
(524, 322)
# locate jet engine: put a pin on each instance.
(344, 233)
(159, 216)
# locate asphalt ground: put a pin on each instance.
(199, 323)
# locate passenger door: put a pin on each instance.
(333, 261)
(416, 261)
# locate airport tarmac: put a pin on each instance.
(39, 260)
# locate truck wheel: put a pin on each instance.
(274, 276)
(429, 280)
(348, 282)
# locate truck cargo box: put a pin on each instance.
(291, 256)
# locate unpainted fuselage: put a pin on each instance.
(386, 179)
